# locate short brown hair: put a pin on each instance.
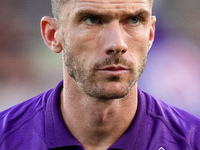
(56, 5)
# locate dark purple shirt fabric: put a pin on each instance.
(37, 124)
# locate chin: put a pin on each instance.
(109, 93)
(109, 96)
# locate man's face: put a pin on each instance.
(105, 44)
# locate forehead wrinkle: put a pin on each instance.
(111, 1)
(115, 3)
(110, 9)
(112, 4)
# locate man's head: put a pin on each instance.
(104, 43)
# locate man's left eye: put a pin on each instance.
(92, 20)
(134, 20)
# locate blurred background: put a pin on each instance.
(28, 67)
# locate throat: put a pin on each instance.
(106, 129)
(105, 123)
(97, 123)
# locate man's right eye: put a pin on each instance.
(92, 20)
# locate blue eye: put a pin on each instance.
(134, 20)
(92, 20)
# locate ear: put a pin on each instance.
(50, 33)
(152, 31)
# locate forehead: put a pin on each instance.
(115, 2)
(106, 6)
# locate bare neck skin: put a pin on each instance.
(96, 124)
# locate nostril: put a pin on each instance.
(110, 52)
(123, 51)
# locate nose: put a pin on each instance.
(114, 41)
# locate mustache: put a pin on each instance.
(113, 60)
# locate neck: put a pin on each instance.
(100, 123)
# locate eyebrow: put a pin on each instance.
(143, 12)
(96, 13)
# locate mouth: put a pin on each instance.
(114, 70)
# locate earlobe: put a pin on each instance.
(152, 31)
(50, 34)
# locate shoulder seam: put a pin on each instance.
(172, 132)
(15, 129)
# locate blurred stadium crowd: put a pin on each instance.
(28, 67)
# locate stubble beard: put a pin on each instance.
(86, 81)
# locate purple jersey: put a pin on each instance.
(37, 124)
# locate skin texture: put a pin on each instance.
(105, 45)
(57, 5)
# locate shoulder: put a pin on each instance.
(180, 124)
(18, 117)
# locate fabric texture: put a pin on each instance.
(37, 124)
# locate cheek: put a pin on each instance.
(138, 48)
(82, 45)
(138, 44)
(82, 36)
(140, 33)
(140, 37)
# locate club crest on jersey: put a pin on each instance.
(161, 148)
